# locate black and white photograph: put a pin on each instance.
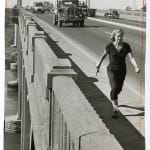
(75, 75)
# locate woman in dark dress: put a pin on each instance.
(117, 50)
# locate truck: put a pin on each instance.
(68, 11)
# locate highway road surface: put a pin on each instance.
(91, 41)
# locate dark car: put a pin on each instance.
(28, 8)
(111, 13)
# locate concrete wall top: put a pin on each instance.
(82, 121)
(77, 111)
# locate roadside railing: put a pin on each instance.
(55, 113)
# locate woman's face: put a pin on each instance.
(118, 37)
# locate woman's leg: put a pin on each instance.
(113, 84)
(113, 92)
(116, 79)
(115, 105)
(115, 109)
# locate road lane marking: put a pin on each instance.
(107, 32)
(119, 24)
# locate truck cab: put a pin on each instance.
(68, 11)
(38, 7)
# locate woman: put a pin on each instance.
(117, 50)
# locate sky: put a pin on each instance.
(118, 4)
(99, 4)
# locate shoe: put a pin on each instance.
(115, 113)
(115, 109)
(115, 105)
(116, 102)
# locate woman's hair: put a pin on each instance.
(114, 32)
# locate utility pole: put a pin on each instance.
(19, 3)
(88, 3)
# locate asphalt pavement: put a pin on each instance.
(128, 129)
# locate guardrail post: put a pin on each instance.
(15, 36)
(24, 16)
(29, 23)
(26, 19)
(22, 21)
(20, 67)
(53, 73)
(38, 34)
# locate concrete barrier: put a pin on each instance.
(76, 124)
(55, 113)
(38, 62)
(13, 66)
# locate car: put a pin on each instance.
(38, 7)
(112, 13)
(28, 8)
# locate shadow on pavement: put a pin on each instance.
(138, 114)
(137, 108)
(85, 26)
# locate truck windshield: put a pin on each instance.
(67, 3)
(39, 4)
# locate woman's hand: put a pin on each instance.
(97, 68)
(137, 70)
(97, 65)
(100, 61)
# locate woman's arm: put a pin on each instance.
(132, 60)
(103, 56)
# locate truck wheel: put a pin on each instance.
(74, 24)
(54, 20)
(59, 23)
(81, 23)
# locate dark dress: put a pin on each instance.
(117, 68)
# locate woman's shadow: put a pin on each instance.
(136, 108)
